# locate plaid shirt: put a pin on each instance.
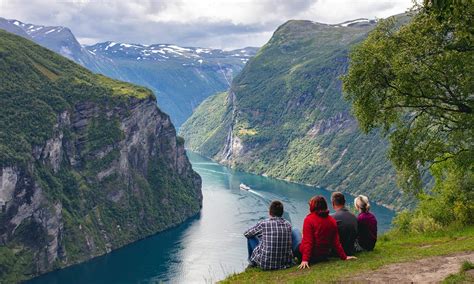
(274, 248)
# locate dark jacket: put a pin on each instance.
(347, 227)
(367, 230)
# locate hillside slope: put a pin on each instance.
(87, 164)
(397, 258)
(285, 116)
(180, 77)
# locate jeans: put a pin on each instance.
(296, 237)
(253, 242)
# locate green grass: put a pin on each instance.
(391, 248)
(122, 89)
(461, 277)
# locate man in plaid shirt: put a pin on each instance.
(269, 241)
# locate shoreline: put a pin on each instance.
(390, 207)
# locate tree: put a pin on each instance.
(416, 82)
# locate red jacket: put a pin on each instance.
(320, 235)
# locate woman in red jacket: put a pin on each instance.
(320, 234)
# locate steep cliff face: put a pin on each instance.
(285, 116)
(87, 164)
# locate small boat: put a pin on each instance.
(244, 187)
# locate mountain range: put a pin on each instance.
(89, 164)
(180, 77)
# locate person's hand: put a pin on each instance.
(350, 257)
(303, 265)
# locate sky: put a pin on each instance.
(223, 24)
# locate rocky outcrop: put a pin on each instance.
(87, 164)
(342, 121)
(8, 180)
(33, 206)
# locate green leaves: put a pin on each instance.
(416, 83)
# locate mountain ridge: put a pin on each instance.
(180, 80)
(285, 117)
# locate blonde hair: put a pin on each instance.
(361, 202)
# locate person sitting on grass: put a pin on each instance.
(367, 225)
(320, 235)
(346, 222)
(269, 242)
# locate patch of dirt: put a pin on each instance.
(426, 270)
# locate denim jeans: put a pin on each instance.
(252, 243)
(296, 236)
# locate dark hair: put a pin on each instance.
(318, 205)
(338, 198)
(276, 208)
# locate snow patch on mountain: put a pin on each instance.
(111, 44)
(356, 22)
(50, 31)
(166, 51)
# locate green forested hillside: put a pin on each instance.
(36, 84)
(87, 164)
(285, 116)
(208, 128)
(415, 83)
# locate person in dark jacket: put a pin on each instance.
(320, 234)
(367, 225)
(346, 222)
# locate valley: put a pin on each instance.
(285, 116)
(180, 77)
(141, 147)
(210, 246)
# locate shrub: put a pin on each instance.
(422, 224)
(402, 221)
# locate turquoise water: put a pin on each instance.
(210, 246)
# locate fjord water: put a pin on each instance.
(210, 246)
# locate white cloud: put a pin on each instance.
(210, 23)
(337, 11)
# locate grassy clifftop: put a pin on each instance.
(391, 248)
